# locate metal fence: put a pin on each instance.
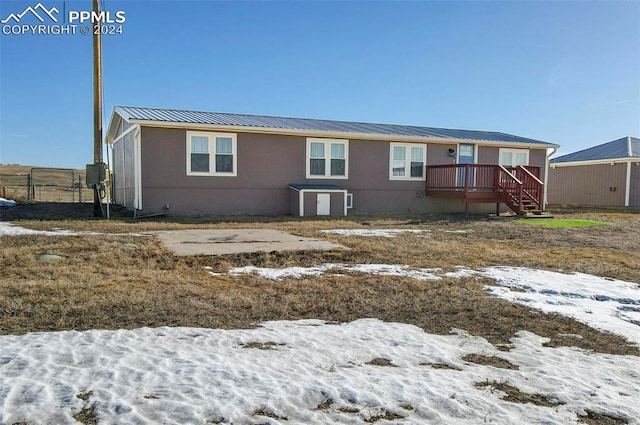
(14, 186)
(46, 185)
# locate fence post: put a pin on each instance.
(80, 188)
(29, 187)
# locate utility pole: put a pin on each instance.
(97, 107)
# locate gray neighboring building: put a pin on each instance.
(206, 163)
(604, 175)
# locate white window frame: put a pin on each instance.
(211, 147)
(514, 152)
(407, 161)
(327, 158)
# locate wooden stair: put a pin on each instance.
(521, 190)
(517, 187)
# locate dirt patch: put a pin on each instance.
(380, 361)
(262, 345)
(86, 416)
(268, 414)
(593, 418)
(490, 361)
(514, 395)
(440, 366)
(84, 395)
(385, 416)
(48, 211)
(325, 404)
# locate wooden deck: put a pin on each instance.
(520, 188)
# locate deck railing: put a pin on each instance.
(461, 177)
(514, 186)
(509, 186)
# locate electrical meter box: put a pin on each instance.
(96, 174)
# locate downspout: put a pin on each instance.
(546, 178)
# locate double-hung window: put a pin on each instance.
(407, 161)
(514, 157)
(327, 158)
(211, 154)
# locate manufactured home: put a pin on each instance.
(603, 175)
(207, 163)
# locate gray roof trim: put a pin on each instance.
(310, 186)
(242, 122)
(623, 148)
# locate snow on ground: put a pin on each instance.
(7, 202)
(10, 229)
(383, 233)
(299, 272)
(603, 303)
(311, 373)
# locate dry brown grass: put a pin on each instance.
(514, 395)
(490, 361)
(594, 418)
(104, 283)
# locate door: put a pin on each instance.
(466, 155)
(324, 204)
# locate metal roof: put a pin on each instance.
(306, 186)
(627, 147)
(131, 113)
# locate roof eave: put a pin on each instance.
(335, 134)
(111, 128)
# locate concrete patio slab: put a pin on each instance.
(236, 241)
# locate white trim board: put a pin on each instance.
(627, 190)
(137, 148)
(124, 133)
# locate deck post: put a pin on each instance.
(466, 181)
(497, 209)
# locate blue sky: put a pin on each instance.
(563, 72)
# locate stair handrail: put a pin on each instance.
(535, 190)
(513, 192)
(509, 174)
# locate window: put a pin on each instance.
(514, 157)
(327, 158)
(211, 154)
(407, 161)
